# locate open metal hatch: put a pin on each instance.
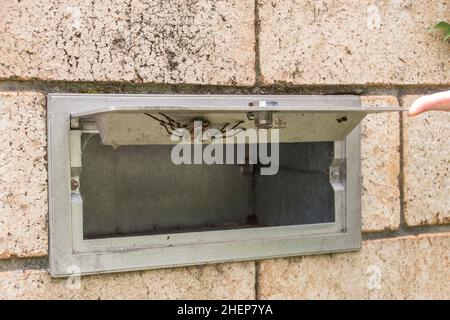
(300, 118)
(119, 202)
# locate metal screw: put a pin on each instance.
(74, 184)
(335, 175)
(250, 116)
(263, 119)
(74, 123)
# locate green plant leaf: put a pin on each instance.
(445, 26)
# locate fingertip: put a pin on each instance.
(416, 108)
(412, 113)
(436, 101)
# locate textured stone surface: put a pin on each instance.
(397, 268)
(205, 42)
(380, 166)
(426, 147)
(353, 42)
(221, 281)
(23, 175)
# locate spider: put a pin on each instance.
(171, 125)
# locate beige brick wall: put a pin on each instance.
(426, 167)
(360, 44)
(401, 268)
(353, 41)
(222, 281)
(23, 175)
(206, 42)
(380, 166)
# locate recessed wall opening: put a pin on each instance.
(120, 199)
(137, 190)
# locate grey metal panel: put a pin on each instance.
(207, 103)
(353, 186)
(60, 227)
(220, 103)
(121, 119)
(301, 191)
(132, 253)
(101, 262)
(138, 128)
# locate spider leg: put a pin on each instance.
(167, 129)
(157, 119)
(223, 130)
(224, 127)
(165, 124)
(235, 133)
(236, 124)
(170, 120)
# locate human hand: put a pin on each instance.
(438, 102)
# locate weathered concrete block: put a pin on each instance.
(220, 281)
(397, 268)
(426, 153)
(23, 175)
(353, 42)
(380, 166)
(203, 42)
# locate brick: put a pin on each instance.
(413, 267)
(380, 166)
(201, 42)
(353, 42)
(220, 281)
(23, 175)
(426, 153)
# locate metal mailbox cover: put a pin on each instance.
(309, 119)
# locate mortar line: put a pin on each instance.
(256, 280)
(24, 263)
(407, 231)
(403, 224)
(257, 27)
(64, 86)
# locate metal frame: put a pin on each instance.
(67, 247)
